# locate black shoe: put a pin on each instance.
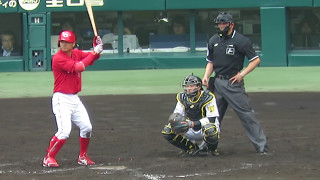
(264, 151)
(191, 152)
(203, 151)
(214, 153)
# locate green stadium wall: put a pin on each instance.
(275, 41)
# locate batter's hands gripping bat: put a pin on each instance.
(96, 40)
(90, 13)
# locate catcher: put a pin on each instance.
(194, 126)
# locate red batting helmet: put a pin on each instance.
(67, 36)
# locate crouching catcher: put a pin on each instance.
(194, 125)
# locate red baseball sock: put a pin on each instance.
(53, 140)
(56, 147)
(84, 143)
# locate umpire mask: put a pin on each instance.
(224, 32)
(223, 17)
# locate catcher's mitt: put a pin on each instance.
(179, 124)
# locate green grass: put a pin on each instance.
(159, 81)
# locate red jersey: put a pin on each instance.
(66, 79)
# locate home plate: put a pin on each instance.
(114, 168)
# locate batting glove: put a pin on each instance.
(96, 40)
(98, 48)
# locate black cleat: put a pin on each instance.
(214, 153)
(263, 151)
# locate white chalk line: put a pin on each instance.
(108, 169)
(100, 167)
(162, 176)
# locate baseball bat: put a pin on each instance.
(90, 13)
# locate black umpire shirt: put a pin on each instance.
(227, 54)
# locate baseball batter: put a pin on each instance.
(194, 125)
(67, 65)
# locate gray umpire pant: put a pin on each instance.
(235, 96)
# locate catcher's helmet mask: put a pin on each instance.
(192, 80)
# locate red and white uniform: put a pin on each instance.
(67, 107)
(66, 104)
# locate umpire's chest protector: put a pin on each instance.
(195, 110)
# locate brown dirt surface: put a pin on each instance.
(127, 142)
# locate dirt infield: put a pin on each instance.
(127, 141)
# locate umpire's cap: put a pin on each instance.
(224, 17)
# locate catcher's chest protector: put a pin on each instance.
(195, 110)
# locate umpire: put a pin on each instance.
(226, 52)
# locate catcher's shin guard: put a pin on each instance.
(177, 140)
(211, 136)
